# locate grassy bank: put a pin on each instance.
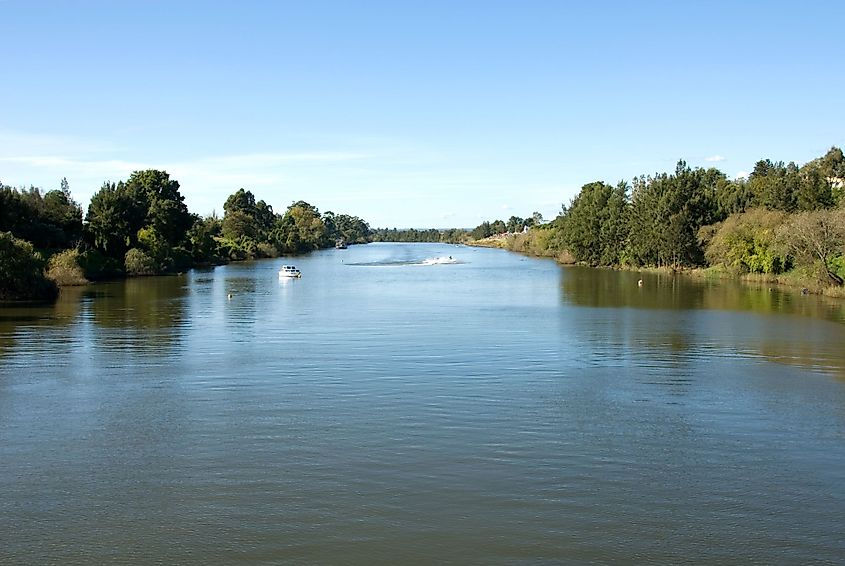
(535, 243)
(538, 243)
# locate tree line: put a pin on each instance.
(486, 229)
(514, 225)
(142, 226)
(434, 235)
(781, 218)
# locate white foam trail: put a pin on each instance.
(438, 260)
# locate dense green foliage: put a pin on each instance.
(348, 229)
(142, 226)
(145, 224)
(665, 215)
(594, 224)
(146, 213)
(252, 229)
(747, 242)
(22, 271)
(781, 217)
(48, 221)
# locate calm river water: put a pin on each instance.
(384, 409)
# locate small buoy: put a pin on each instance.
(229, 296)
(640, 283)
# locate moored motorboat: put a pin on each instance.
(289, 271)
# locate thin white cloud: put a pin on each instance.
(12, 142)
(714, 158)
(73, 165)
(205, 181)
(742, 175)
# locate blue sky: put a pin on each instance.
(424, 114)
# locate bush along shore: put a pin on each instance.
(142, 226)
(782, 224)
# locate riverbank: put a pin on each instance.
(535, 244)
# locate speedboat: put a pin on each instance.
(289, 271)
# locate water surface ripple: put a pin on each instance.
(491, 409)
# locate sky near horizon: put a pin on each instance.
(411, 113)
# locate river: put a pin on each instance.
(397, 406)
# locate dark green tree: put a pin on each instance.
(594, 227)
(774, 185)
(732, 197)
(166, 211)
(814, 190)
(482, 231)
(300, 230)
(350, 229)
(245, 218)
(667, 212)
(22, 271)
(515, 224)
(201, 239)
(62, 211)
(115, 215)
(51, 221)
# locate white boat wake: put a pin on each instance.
(443, 260)
(438, 261)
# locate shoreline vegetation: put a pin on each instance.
(141, 227)
(799, 280)
(782, 225)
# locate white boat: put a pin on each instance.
(289, 271)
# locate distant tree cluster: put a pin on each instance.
(142, 226)
(252, 229)
(446, 236)
(514, 225)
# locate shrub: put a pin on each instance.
(137, 262)
(816, 239)
(837, 266)
(64, 269)
(180, 259)
(22, 272)
(96, 266)
(746, 241)
(263, 249)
